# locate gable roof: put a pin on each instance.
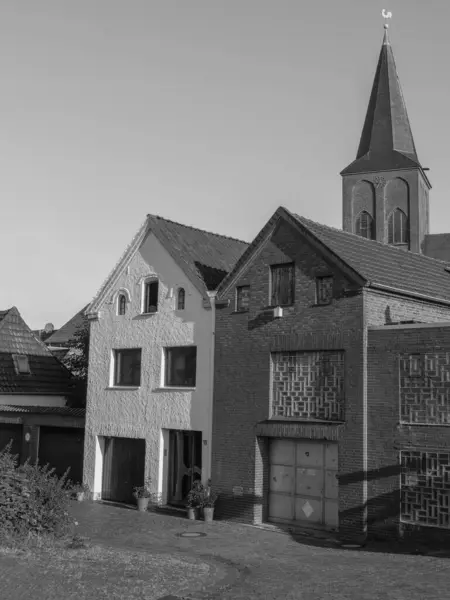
(47, 375)
(375, 264)
(64, 334)
(386, 140)
(205, 257)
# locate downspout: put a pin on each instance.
(212, 299)
(365, 420)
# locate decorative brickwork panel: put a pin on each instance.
(425, 388)
(308, 385)
(425, 488)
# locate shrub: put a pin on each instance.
(32, 499)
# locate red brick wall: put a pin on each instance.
(386, 436)
(242, 376)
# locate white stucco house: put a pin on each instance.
(150, 382)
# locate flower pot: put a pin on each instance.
(80, 496)
(208, 513)
(192, 514)
(142, 504)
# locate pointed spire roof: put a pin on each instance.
(386, 141)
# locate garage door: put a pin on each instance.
(303, 486)
(123, 468)
(62, 447)
(8, 433)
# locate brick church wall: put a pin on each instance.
(409, 448)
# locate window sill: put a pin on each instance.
(144, 315)
(175, 389)
(123, 387)
(319, 304)
(240, 312)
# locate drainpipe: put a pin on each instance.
(212, 299)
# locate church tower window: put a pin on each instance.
(398, 228)
(364, 225)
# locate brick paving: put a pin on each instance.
(243, 562)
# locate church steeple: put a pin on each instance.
(385, 189)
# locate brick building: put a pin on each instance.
(332, 357)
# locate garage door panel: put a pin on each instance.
(332, 513)
(308, 510)
(282, 452)
(309, 454)
(331, 456)
(281, 478)
(331, 484)
(280, 507)
(309, 482)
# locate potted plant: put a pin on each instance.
(143, 495)
(81, 490)
(194, 500)
(209, 498)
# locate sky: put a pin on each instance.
(211, 113)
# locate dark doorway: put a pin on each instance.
(62, 447)
(10, 432)
(123, 468)
(185, 463)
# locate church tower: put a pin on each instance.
(385, 189)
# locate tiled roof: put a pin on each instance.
(3, 313)
(386, 141)
(206, 257)
(48, 376)
(53, 410)
(384, 264)
(66, 333)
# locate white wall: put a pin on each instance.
(149, 410)
(32, 400)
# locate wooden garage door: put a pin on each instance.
(123, 468)
(10, 432)
(62, 447)
(303, 486)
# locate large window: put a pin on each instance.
(127, 367)
(181, 366)
(282, 284)
(151, 296)
(398, 228)
(364, 225)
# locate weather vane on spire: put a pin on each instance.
(386, 15)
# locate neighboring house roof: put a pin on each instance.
(64, 334)
(386, 141)
(47, 375)
(205, 257)
(375, 264)
(53, 410)
(437, 245)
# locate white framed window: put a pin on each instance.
(126, 370)
(180, 366)
(21, 364)
(150, 295)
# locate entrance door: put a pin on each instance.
(303, 486)
(61, 448)
(123, 468)
(185, 463)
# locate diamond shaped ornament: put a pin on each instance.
(307, 509)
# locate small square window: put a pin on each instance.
(21, 364)
(181, 366)
(324, 289)
(151, 296)
(127, 367)
(282, 284)
(242, 298)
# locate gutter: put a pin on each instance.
(394, 290)
(212, 299)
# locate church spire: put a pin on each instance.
(386, 141)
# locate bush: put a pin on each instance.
(32, 499)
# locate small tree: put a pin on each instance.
(77, 361)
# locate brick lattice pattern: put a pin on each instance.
(425, 388)
(425, 488)
(308, 385)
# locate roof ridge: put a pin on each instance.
(390, 246)
(221, 235)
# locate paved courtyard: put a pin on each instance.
(230, 562)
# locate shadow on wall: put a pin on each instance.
(262, 319)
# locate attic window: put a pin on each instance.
(121, 304)
(21, 364)
(181, 299)
(151, 288)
